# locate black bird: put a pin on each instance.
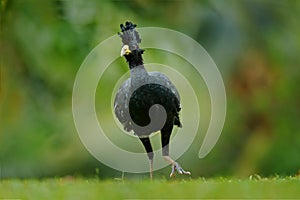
(146, 102)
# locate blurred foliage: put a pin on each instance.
(255, 44)
(200, 188)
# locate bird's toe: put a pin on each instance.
(179, 169)
(173, 171)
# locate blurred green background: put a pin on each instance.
(255, 45)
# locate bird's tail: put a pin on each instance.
(177, 121)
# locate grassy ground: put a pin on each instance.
(79, 188)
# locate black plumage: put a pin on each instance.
(146, 102)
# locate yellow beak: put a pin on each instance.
(125, 50)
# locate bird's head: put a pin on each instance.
(125, 51)
(131, 40)
(129, 35)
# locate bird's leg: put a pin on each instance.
(148, 147)
(175, 166)
(151, 167)
(165, 139)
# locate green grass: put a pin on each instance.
(80, 188)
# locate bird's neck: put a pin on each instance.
(138, 72)
(138, 75)
(135, 60)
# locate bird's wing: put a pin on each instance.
(162, 79)
(121, 105)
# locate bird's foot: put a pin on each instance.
(179, 169)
